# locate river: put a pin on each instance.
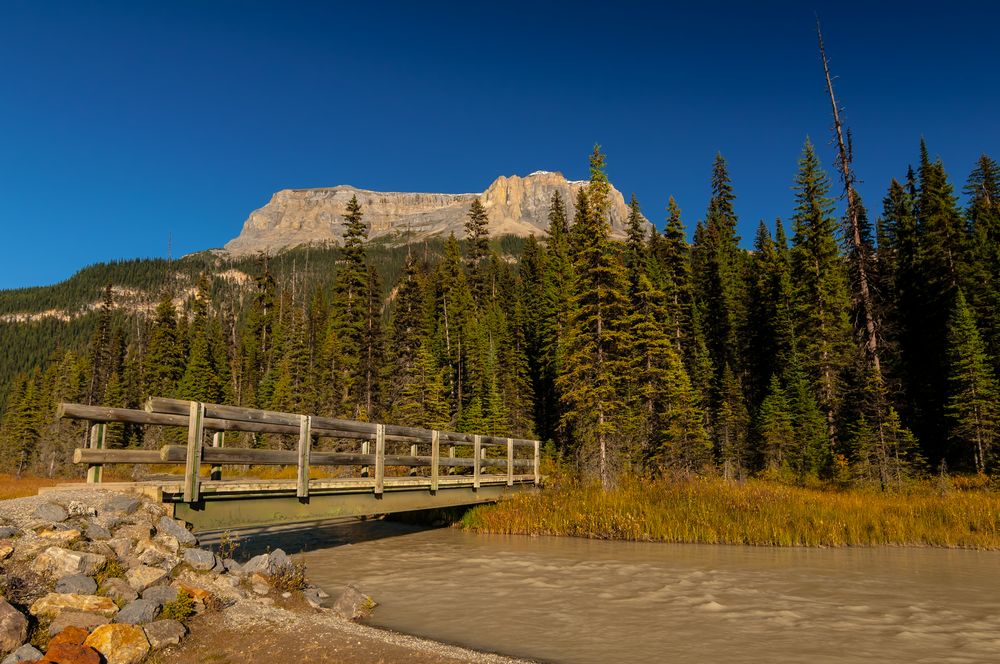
(574, 600)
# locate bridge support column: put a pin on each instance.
(477, 454)
(192, 466)
(379, 459)
(305, 443)
(435, 459)
(510, 462)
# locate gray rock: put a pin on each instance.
(26, 653)
(138, 612)
(354, 604)
(143, 577)
(267, 563)
(311, 595)
(164, 633)
(232, 566)
(122, 504)
(119, 590)
(81, 619)
(121, 546)
(13, 627)
(279, 560)
(160, 594)
(97, 532)
(51, 512)
(199, 559)
(7, 531)
(79, 584)
(168, 526)
(58, 562)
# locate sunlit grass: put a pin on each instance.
(714, 511)
(12, 486)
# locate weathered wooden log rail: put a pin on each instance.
(200, 419)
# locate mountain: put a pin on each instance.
(515, 206)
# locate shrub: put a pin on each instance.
(181, 608)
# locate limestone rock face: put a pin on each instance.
(515, 206)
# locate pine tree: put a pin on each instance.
(983, 213)
(201, 380)
(820, 282)
(776, 429)
(972, 407)
(591, 383)
(555, 305)
(163, 364)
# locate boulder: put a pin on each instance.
(26, 653)
(51, 512)
(168, 526)
(200, 559)
(97, 532)
(54, 604)
(167, 543)
(122, 504)
(144, 576)
(354, 604)
(137, 612)
(134, 533)
(76, 584)
(13, 628)
(119, 644)
(70, 653)
(312, 597)
(267, 563)
(119, 590)
(7, 531)
(197, 593)
(57, 562)
(74, 636)
(164, 633)
(86, 621)
(160, 594)
(232, 566)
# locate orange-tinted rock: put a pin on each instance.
(70, 653)
(71, 635)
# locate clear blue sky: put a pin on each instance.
(126, 122)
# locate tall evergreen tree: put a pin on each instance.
(477, 234)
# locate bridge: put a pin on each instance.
(377, 468)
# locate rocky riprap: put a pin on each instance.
(105, 577)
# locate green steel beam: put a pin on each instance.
(247, 510)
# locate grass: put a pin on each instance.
(714, 511)
(12, 486)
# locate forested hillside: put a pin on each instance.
(861, 349)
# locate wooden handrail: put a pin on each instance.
(198, 418)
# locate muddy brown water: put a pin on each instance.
(574, 600)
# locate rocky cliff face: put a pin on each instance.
(515, 205)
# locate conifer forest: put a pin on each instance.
(861, 347)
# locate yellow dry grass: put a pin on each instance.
(712, 510)
(17, 487)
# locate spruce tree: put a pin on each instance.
(477, 235)
(821, 297)
(983, 213)
(972, 408)
(163, 364)
(592, 381)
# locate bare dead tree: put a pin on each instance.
(853, 230)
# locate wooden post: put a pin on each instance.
(98, 438)
(218, 440)
(510, 462)
(477, 450)
(451, 455)
(305, 443)
(366, 448)
(538, 461)
(379, 459)
(435, 458)
(196, 431)
(413, 453)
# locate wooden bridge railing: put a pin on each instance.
(199, 418)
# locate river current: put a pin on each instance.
(574, 600)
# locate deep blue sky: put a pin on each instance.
(127, 122)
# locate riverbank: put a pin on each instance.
(755, 512)
(104, 575)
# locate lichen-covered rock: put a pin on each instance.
(354, 604)
(168, 526)
(200, 559)
(51, 512)
(163, 633)
(58, 562)
(76, 584)
(144, 576)
(76, 508)
(59, 535)
(137, 612)
(134, 532)
(120, 545)
(13, 628)
(54, 604)
(167, 543)
(85, 621)
(119, 644)
(26, 653)
(119, 590)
